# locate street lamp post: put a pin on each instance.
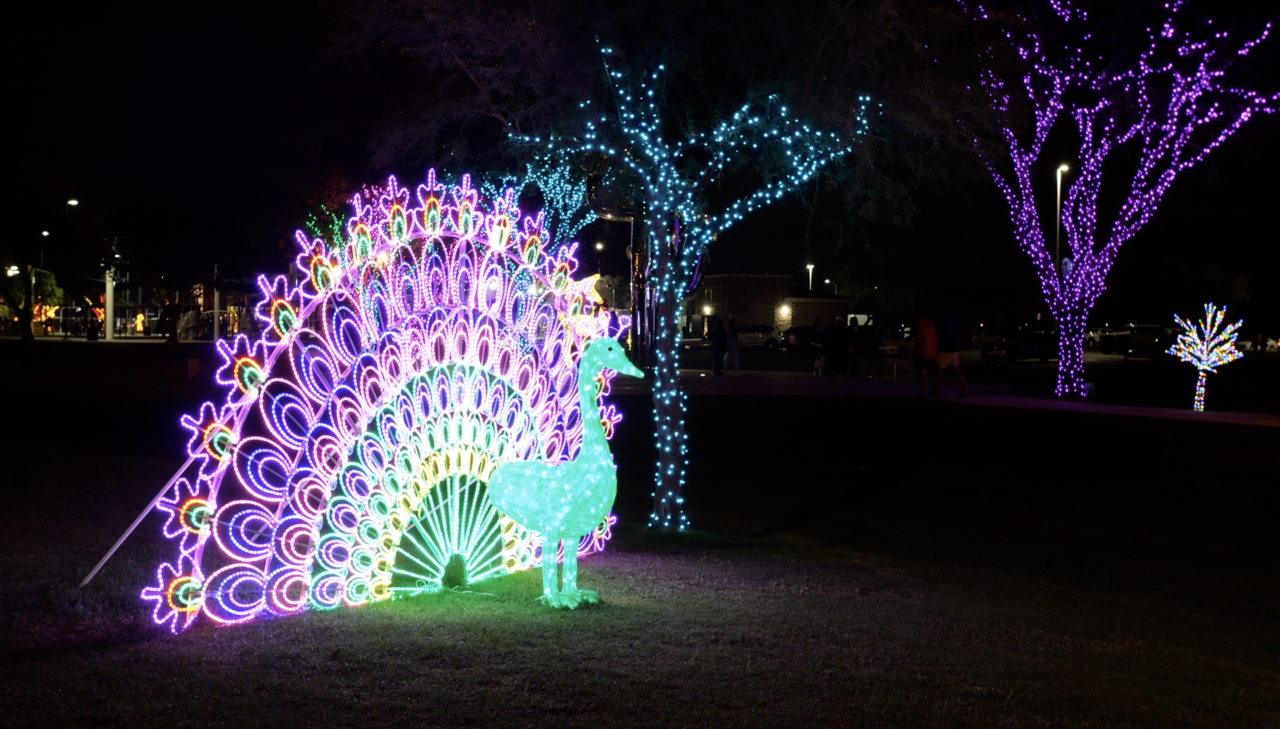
(810, 267)
(599, 254)
(1057, 223)
(70, 204)
(834, 287)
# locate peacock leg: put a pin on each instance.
(550, 592)
(570, 565)
(574, 596)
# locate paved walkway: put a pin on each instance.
(701, 382)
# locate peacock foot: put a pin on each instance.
(570, 599)
(587, 597)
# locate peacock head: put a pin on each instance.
(606, 352)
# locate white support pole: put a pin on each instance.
(137, 521)
(217, 313)
(109, 319)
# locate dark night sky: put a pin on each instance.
(199, 123)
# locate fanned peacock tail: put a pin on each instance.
(349, 461)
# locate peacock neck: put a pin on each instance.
(592, 430)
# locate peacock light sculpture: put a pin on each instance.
(434, 341)
(1206, 345)
(567, 500)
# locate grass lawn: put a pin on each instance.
(859, 562)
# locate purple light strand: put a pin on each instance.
(1201, 112)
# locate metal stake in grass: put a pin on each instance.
(137, 521)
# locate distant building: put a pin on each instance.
(756, 299)
(801, 311)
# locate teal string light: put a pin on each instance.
(673, 176)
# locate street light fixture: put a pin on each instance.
(810, 267)
(11, 271)
(1057, 224)
(73, 202)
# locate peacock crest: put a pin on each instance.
(439, 338)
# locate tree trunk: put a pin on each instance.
(1200, 391)
(1071, 326)
(668, 396)
(26, 313)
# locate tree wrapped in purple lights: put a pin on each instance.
(1175, 101)
(1206, 346)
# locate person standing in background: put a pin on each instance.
(949, 351)
(925, 349)
(816, 345)
(719, 346)
(732, 346)
(837, 342)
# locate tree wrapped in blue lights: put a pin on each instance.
(1174, 102)
(1207, 345)
(563, 197)
(672, 177)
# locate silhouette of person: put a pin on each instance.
(719, 347)
(732, 346)
(925, 349)
(949, 350)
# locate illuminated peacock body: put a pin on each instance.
(350, 459)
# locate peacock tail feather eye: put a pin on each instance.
(248, 374)
(218, 439)
(195, 514)
(283, 317)
(532, 250)
(397, 224)
(183, 594)
(432, 216)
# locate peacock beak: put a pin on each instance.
(632, 371)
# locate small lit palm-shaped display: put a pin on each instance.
(1207, 345)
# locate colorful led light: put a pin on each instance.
(1207, 345)
(1173, 101)
(424, 346)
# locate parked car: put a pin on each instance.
(1155, 353)
(1023, 345)
(797, 339)
(759, 335)
(1093, 336)
(1269, 345)
(1124, 340)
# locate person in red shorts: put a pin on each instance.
(925, 349)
